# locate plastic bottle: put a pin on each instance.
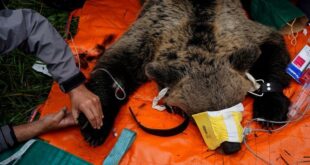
(300, 102)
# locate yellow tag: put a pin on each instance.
(217, 127)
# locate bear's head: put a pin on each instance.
(196, 88)
(197, 84)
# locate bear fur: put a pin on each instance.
(201, 50)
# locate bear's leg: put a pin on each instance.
(270, 67)
(117, 74)
(124, 62)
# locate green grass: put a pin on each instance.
(21, 88)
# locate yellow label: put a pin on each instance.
(217, 127)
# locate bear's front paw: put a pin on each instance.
(94, 137)
(272, 106)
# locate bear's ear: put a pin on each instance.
(163, 74)
(244, 58)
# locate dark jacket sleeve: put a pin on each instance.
(29, 27)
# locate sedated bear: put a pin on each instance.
(201, 50)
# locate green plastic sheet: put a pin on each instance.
(41, 153)
(275, 13)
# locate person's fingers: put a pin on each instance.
(98, 103)
(75, 114)
(60, 115)
(67, 121)
(83, 100)
(97, 115)
(97, 111)
(101, 115)
(87, 110)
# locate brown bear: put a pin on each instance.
(201, 50)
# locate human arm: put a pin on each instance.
(11, 135)
(29, 28)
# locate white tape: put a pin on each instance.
(156, 100)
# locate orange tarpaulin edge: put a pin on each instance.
(99, 19)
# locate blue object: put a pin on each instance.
(294, 72)
(122, 145)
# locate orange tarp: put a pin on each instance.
(98, 19)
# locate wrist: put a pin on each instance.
(79, 89)
(39, 127)
(72, 83)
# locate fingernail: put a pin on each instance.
(102, 116)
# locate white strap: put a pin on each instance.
(15, 157)
(254, 82)
(160, 95)
(256, 85)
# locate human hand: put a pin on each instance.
(49, 122)
(82, 100)
(57, 120)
